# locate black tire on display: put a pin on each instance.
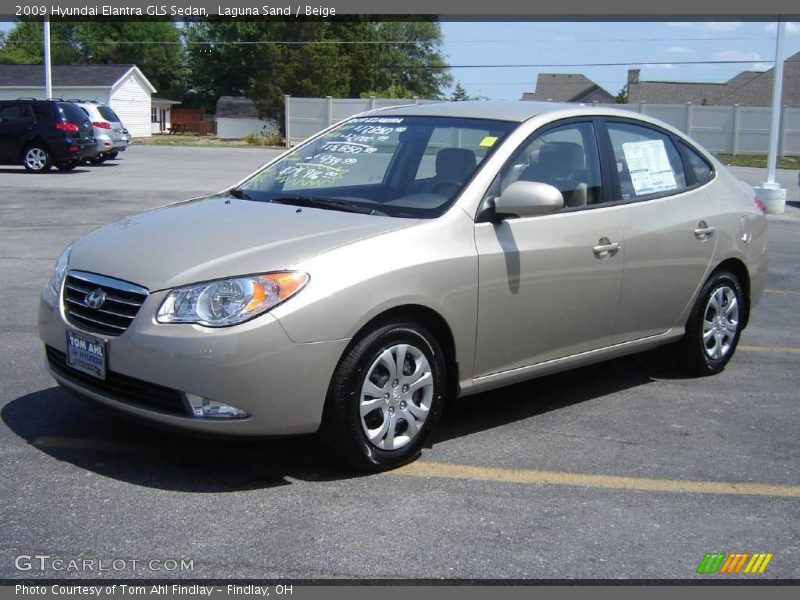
(714, 326)
(386, 396)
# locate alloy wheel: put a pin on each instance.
(396, 397)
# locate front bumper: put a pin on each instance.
(254, 366)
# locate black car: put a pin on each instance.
(41, 133)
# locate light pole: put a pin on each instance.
(771, 192)
(48, 69)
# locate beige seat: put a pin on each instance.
(562, 165)
(453, 166)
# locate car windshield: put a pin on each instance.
(393, 165)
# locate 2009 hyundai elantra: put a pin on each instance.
(404, 257)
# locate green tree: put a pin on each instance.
(23, 44)
(459, 93)
(622, 96)
(264, 60)
(154, 46)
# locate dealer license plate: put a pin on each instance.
(86, 353)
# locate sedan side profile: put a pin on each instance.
(405, 257)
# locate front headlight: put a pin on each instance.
(230, 301)
(60, 271)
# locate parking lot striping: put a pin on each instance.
(791, 292)
(524, 476)
(769, 349)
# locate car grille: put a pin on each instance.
(122, 301)
(120, 387)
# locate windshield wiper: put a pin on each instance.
(329, 203)
(240, 194)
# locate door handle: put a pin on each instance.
(703, 231)
(606, 248)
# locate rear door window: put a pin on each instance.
(648, 163)
(42, 111)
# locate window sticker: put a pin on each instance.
(649, 167)
(488, 141)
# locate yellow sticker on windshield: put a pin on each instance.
(488, 141)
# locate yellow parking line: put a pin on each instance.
(524, 476)
(792, 292)
(768, 349)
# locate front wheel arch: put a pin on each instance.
(431, 320)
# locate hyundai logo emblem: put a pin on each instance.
(95, 299)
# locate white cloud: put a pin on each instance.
(708, 25)
(792, 29)
(738, 55)
(663, 66)
(760, 67)
(720, 25)
(678, 50)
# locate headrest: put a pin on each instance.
(455, 163)
(561, 159)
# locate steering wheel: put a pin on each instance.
(445, 182)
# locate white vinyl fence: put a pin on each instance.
(727, 129)
(307, 116)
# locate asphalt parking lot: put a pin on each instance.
(620, 470)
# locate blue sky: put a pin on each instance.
(574, 43)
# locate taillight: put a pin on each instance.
(102, 124)
(68, 127)
(760, 204)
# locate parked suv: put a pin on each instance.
(41, 133)
(112, 138)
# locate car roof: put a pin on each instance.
(517, 111)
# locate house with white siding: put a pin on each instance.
(123, 87)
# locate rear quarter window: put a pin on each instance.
(107, 113)
(72, 112)
(702, 171)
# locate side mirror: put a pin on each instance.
(528, 199)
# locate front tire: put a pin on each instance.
(386, 396)
(714, 326)
(36, 159)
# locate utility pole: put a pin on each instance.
(48, 68)
(771, 192)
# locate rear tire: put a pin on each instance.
(112, 155)
(36, 158)
(67, 165)
(385, 397)
(714, 326)
(97, 160)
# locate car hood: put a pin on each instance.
(217, 237)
